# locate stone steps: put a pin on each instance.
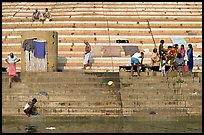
(68, 104)
(61, 98)
(90, 94)
(69, 111)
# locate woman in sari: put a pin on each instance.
(12, 60)
(190, 57)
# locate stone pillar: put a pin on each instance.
(51, 38)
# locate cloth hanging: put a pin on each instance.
(129, 50)
(28, 45)
(111, 51)
(39, 49)
(179, 41)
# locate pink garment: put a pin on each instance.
(183, 52)
(12, 69)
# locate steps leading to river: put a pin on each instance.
(77, 92)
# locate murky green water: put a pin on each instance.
(63, 124)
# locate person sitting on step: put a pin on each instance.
(29, 108)
(47, 15)
(178, 63)
(36, 15)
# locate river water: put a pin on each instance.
(88, 124)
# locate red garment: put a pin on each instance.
(12, 69)
(172, 51)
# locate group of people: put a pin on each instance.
(175, 56)
(46, 16)
(172, 56)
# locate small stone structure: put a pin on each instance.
(51, 39)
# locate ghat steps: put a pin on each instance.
(77, 92)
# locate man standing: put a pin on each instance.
(87, 55)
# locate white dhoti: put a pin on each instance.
(28, 60)
(87, 57)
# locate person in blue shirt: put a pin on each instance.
(178, 61)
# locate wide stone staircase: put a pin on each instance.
(143, 24)
(66, 93)
(169, 95)
(85, 93)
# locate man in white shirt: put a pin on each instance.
(37, 15)
(28, 109)
(135, 62)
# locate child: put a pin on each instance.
(28, 109)
(154, 57)
(178, 63)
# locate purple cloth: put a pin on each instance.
(39, 49)
(190, 59)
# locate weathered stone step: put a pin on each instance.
(81, 90)
(184, 88)
(70, 111)
(67, 73)
(56, 85)
(66, 104)
(154, 103)
(56, 75)
(64, 79)
(163, 111)
(61, 98)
